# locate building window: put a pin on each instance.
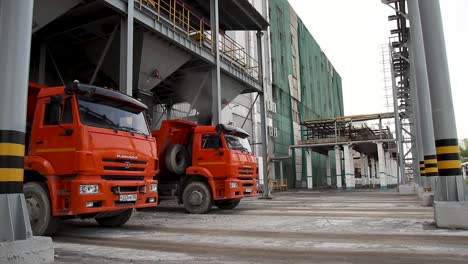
(295, 111)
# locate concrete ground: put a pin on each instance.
(362, 226)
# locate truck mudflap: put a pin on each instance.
(93, 196)
(234, 188)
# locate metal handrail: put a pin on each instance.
(181, 18)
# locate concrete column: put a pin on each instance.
(373, 176)
(415, 123)
(392, 170)
(328, 171)
(15, 45)
(17, 245)
(392, 175)
(388, 168)
(281, 171)
(382, 168)
(264, 153)
(349, 167)
(216, 71)
(377, 175)
(450, 185)
(352, 169)
(363, 174)
(423, 92)
(309, 174)
(366, 171)
(338, 167)
(126, 51)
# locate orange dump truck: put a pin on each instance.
(89, 154)
(202, 165)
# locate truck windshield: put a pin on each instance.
(237, 143)
(100, 112)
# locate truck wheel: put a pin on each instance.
(227, 204)
(39, 209)
(197, 198)
(116, 220)
(176, 159)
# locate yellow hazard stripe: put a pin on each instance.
(212, 163)
(11, 175)
(429, 170)
(430, 161)
(11, 149)
(55, 150)
(449, 164)
(447, 150)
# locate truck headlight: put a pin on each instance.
(233, 185)
(89, 188)
(153, 187)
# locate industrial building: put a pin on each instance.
(254, 65)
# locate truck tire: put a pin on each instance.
(39, 209)
(197, 198)
(176, 159)
(116, 220)
(227, 204)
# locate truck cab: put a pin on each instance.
(202, 165)
(89, 153)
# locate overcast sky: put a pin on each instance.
(351, 33)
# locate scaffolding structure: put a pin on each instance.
(387, 81)
(402, 102)
(347, 129)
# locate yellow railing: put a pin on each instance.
(182, 19)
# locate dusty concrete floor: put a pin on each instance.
(362, 226)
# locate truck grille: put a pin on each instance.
(123, 164)
(246, 172)
(122, 178)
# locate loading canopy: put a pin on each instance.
(233, 14)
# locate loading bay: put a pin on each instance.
(320, 226)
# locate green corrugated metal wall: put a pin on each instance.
(282, 67)
(321, 95)
(321, 91)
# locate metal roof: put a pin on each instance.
(233, 14)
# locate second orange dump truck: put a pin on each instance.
(205, 165)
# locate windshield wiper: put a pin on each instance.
(132, 129)
(103, 117)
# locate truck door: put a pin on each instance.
(210, 153)
(53, 136)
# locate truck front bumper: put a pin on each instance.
(84, 198)
(238, 189)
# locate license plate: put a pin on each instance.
(248, 190)
(128, 197)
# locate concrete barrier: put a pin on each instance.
(34, 250)
(407, 189)
(451, 214)
(427, 199)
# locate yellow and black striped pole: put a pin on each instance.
(423, 98)
(448, 157)
(15, 46)
(430, 166)
(449, 184)
(422, 171)
(11, 161)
